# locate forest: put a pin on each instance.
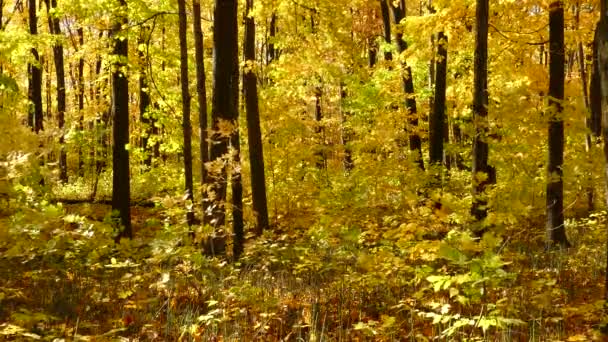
(303, 170)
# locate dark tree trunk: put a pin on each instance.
(556, 233)
(347, 133)
(35, 76)
(437, 118)
(201, 91)
(372, 53)
(186, 124)
(601, 62)
(55, 29)
(120, 109)
(272, 33)
(588, 136)
(386, 23)
(144, 94)
(595, 96)
(408, 88)
(256, 154)
(480, 170)
(224, 113)
(321, 163)
(80, 100)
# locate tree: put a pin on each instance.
(386, 24)
(144, 94)
(55, 29)
(81, 100)
(224, 115)
(601, 51)
(556, 232)
(256, 154)
(34, 75)
(186, 124)
(480, 170)
(121, 192)
(201, 91)
(271, 53)
(437, 118)
(407, 80)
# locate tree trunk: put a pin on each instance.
(556, 233)
(55, 29)
(408, 87)
(80, 100)
(272, 32)
(120, 109)
(35, 119)
(201, 91)
(321, 162)
(186, 124)
(224, 110)
(595, 96)
(481, 170)
(386, 23)
(437, 119)
(256, 154)
(601, 50)
(346, 133)
(588, 137)
(144, 94)
(372, 53)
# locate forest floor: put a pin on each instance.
(62, 276)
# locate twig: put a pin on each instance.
(513, 40)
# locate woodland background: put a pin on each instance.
(302, 170)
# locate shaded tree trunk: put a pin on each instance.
(321, 162)
(224, 116)
(256, 154)
(55, 29)
(35, 119)
(601, 52)
(201, 91)
(556, 232)
(372, 53)
(346, 133)
(386, 24)
(120, 109)
(437, 118)
(186, 124)
(144, 94)
(408, 88)
(588, 136)
(272, 33)
(480, 170)
(80, 100)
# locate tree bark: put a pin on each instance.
(556, 233)
(144, 94)
(408, 87)
(437, 119)
(224, 114)
(35, 119)
(121, 193)
(601, 50)
(55, 29)
(386, 23)
(256, 151)
(272, 32)
(201, 91)
(186, 124)
(588, 135)
(346, 132)
(480, 170)
(80, 100)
